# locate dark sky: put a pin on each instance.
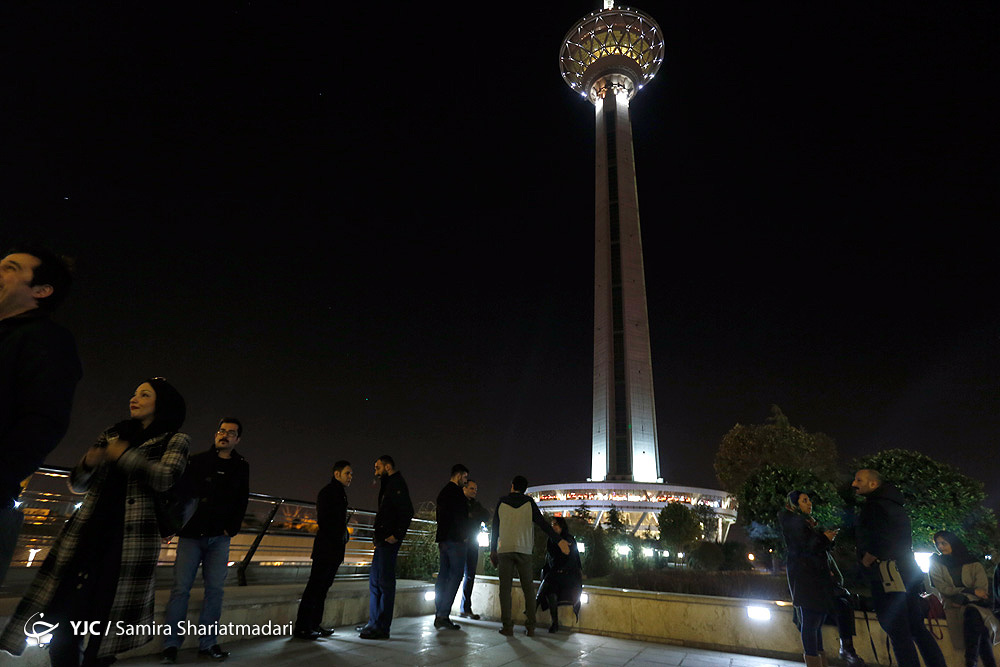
(369, 229)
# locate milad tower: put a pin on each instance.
(607, 57)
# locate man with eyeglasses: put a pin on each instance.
(220, 480)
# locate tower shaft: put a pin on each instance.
(624, 435)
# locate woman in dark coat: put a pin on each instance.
(960, 581)
(814, 582)
(562, 575)
(101, 566)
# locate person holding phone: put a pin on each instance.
(815, 581)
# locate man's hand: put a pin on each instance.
(564, 547)
(831, 534)
(494, 559)
(391, 539)
(868, 559)
(981, 594)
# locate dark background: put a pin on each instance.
(369, 229)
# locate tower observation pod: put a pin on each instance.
(607, 57)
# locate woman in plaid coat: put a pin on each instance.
(101, 566)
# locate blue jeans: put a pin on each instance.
(449, 576)
(212, 553)
(382, 584)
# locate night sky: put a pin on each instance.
(369, 229)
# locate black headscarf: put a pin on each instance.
(959, 555)
(793, 506)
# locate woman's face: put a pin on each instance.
(805, 504)
(143, 404)
(555, 527)
(943, 547)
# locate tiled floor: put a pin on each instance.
(478, 644)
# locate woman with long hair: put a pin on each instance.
(815, 582)
(960, 581)
(101, 566)
(562, 575)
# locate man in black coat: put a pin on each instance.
(392, 520)
(452, 513)
(39, 371)
(327, 553)
(220, 480)
(884, 537)
(478, 515)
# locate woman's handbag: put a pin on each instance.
(933, 614)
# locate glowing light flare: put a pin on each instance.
(759, 613)
(581, 547)
(923, 559)
(429, 596)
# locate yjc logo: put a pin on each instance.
(39, 633)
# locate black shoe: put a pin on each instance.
(323, 632)
(469, 614)
(507, 632)
(554, 628)
(306, 634)
(530, 632)
(169, 656)
(373, 633)
(215, 653)
(445, 622)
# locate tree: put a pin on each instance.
(597, 556)
(583, 513)
(938, 497)
(744, 449)
(679, 527)
(706, 517)
(615, 521)
(765, 492)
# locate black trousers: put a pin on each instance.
(321, 576)
(901, 616)
(977, 639)
(471, 562)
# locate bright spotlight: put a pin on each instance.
(429, 595)
(623, 549)
(923, 559)
(584, 598)
(484, 539)
(759, 613)
(647, 552)
(581, 547)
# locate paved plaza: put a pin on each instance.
(478, 644)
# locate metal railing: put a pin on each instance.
(275, 532)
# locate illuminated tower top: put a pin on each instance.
(617, 48)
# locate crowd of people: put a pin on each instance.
(142, 484)
(883, 535)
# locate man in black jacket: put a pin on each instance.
(884, 537)
(327, 552)
(392, 520)
(39, 370)
(452, 515)
(478, 515)
(220, 480)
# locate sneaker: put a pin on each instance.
(445, 622)
(323, 632)
(215, 653)
(169, 656)
(507, 632)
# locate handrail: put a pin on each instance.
(359, 519)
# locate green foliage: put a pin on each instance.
(583, 513)
(938, 497)
(615, 521)
(765, 492)
(708, 521)
(419, 557)
(679, 526)
(744, 449)
(706, 556)
(597, 554)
